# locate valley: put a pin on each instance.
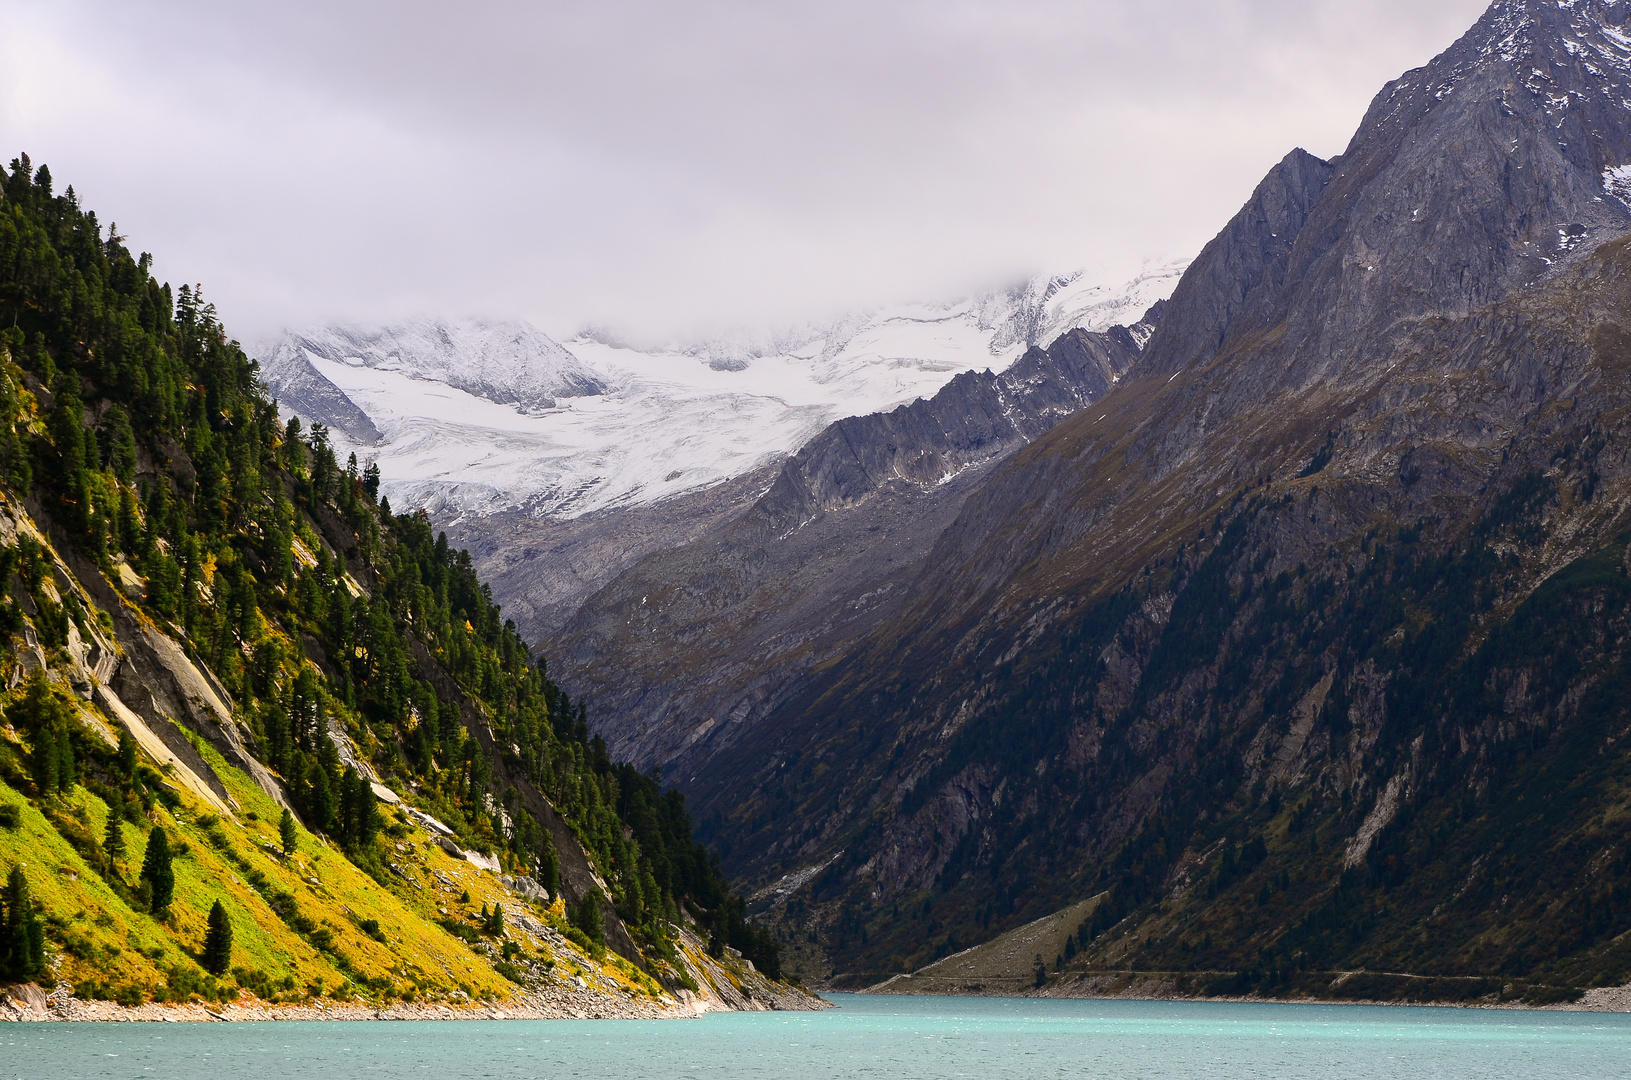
(1259, 628)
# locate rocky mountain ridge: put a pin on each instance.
(813, 565)
(1303, 648)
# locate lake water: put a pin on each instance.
(898, 1038)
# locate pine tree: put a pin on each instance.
(127, 754)
(22, 934)
(121, 442)
(319, 797)
(43, 762)
(157, 872)
(14, 465)
(586, 917)
(359, 811)
(287, 832)
(67, 774)
(549, 867)
(217, 956)
(114, 843)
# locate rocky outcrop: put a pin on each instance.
(302, 389)
(977, 417)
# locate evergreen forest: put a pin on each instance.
(350, 640)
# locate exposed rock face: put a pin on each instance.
(1307, 631)
(720, 631)
(301, 388)
(506, 363)
(543, 570)
(978, 417)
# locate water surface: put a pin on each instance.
(898, 1038)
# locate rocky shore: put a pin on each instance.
(28, 1002)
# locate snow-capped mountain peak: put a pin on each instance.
(508, 363)
(478, 418)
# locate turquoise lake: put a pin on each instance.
(865, 1037)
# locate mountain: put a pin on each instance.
(1303, 651)
(505, 363)
(265, 741)
(719, 632)
(481, 421)
(554, 503)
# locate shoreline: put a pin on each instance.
(1613, 999)
(31, 1004)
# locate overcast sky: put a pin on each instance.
(676, 168)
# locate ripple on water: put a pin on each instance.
(899, 1038)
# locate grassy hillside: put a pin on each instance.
(189, 574)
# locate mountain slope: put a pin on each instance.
(1305, 644)
(506, 363)
(217, 644)
(728, 627)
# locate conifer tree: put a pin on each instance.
(43, 716)
(127, 753)
(121, 445)
(22, 934)
(359, 811)
(287, 833)
(217, 956)
(43, 762)
(157, 872)
(319, 797)
(15, 470)
(549, 867)
(113, 843)
(67, 773)
(586, 917)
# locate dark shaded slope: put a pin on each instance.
(1234, 653)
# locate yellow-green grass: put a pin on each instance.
(99, 942)
(99, 939)
(104, 946)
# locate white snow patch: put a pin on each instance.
(1617, 183)
(473, 427)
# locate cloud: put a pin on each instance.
(672, 168)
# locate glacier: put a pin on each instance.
(478, 418)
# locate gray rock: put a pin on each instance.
(715, 634)
(303, 389)
(1439, 311)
